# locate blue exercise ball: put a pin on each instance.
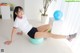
(57, 15)
(36, 40)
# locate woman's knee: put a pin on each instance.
(49, 26)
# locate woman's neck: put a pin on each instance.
(19, 17)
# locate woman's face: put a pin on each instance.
(19, 13)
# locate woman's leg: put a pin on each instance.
(48, 35)
(44, 28)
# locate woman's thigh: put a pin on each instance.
(44, 28)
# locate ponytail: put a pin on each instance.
(14, 15)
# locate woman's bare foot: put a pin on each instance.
(71, 36)
(19, 33)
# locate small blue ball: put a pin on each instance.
(36, 40)
(57, 15)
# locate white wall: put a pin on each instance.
(32, 8)
(71, 15)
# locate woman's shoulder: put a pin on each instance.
(16, 20)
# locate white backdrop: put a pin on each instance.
(71, 16)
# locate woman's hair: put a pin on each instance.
(16, 11)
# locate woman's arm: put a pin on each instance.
(12, 34)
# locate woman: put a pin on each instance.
(20, 22)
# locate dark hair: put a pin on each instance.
(16, 10)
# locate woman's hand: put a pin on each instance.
(12, 34)
(19, 33)
(8, 42)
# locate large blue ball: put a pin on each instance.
(57, 15)
(36, 40)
